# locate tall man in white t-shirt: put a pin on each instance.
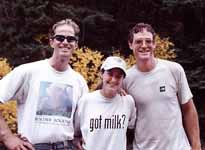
(166, 116)
(37, 86)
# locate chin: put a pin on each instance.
(144, 57)
(64, 58)
(113, 91)
(65, 55)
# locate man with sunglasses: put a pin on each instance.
(166, 116)
(42, 128)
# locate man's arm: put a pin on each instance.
(10, 140)
(191, 124)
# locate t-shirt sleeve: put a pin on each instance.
(77, 117)
(83, 87)
(184, 92)
(132, 118)
(10, 85)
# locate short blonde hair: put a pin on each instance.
(69, 22)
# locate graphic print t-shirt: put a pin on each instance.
(55, 100)
(46, 100)
(106, 119)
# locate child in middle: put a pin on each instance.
(103, 116)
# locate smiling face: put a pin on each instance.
(65, 48)
(112, 81)
(143, 45)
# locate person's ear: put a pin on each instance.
(76, 45)
(51, 41)
(154, 44)
(101, 74)
(130, 45)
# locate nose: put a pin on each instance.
(144, 43)
(114, 79)
(65, 41)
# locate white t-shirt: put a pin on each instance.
(104, 121)
(46, 100)
(158, 95)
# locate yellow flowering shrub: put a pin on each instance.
(164, 48)
(4, 67)
(87, 62)
(9, 109)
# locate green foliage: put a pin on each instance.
(23, 20)
(195, 64)
(172, 3)
(104, 25)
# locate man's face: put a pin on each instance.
(63, 42)
(143, 45)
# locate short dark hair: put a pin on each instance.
(100, 83)
(138, 28)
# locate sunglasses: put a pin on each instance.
(61, 38)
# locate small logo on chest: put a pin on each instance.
(162, 89)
